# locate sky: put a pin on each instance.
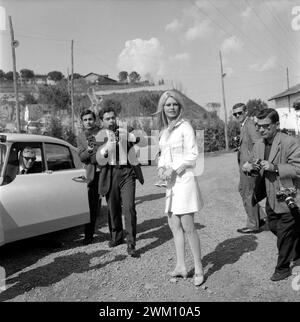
(177, 40)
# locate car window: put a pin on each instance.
(2, 156)
(58, 157)
(14, 165)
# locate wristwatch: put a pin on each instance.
(276, 169)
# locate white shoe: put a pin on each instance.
(198, 279)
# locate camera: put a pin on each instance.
(287, 195)
(236, 143)
(256, 167)
(91, 140)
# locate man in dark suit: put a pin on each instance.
(86, 152)
(117, 181)
(27, 162)
(280, 169)
(248, 136)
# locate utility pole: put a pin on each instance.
(72, 87)
(224, 103)
(14, 44)
(288, 86)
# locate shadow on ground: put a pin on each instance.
(228, 252)
(152, 196)
(21, 254)
(147, 230)
(47, 275)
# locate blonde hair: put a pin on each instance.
(163, 122)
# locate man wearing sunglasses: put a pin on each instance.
(280, 168)
(27, 162)
(248, 137)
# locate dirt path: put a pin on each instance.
(237, 267)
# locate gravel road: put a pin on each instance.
(237, 267)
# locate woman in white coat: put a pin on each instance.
(176, 165)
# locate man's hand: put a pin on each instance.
(267, 166)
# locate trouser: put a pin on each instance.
(94, 206)
(256, 212)
(286, 227)
(122, 195)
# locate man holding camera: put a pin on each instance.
(87, 152)
(117, 181)
(248, 137)
(278, 179)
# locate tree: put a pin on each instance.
(123, 75)
(56, 95)
(29, 99)
(75, 76)
(296, 105)
(2, 74)
(10, 76)
(148, 103)
(134, 77)
(27, 74)
(255, 105)
(116, 105)
(55, 76)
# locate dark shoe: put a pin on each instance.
(53, 244)
(263, 225)
(88, 241)
(246, 230)
(131, 251)
(113, 243)
(277, 276)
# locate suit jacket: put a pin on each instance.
(106, 169)
(285, 153)
(248, 137)
(85, 156)
(13, 169)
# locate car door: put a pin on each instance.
(52, 200)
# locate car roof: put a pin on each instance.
(22, 137)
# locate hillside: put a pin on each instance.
(131, 103)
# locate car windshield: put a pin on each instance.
(2, 156)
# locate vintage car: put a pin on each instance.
(53, 199)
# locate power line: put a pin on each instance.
(283, 66)
(268, 29)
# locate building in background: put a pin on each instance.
(287, 98)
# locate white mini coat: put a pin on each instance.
(180, 148)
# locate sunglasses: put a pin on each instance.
(237, 114)
(264, 126)
(30, 158)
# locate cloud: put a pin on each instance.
(246, 13)
(269, 64)
(142, 56)
(232, 44)
(173, 26)
(199, 30)
(183, 57)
